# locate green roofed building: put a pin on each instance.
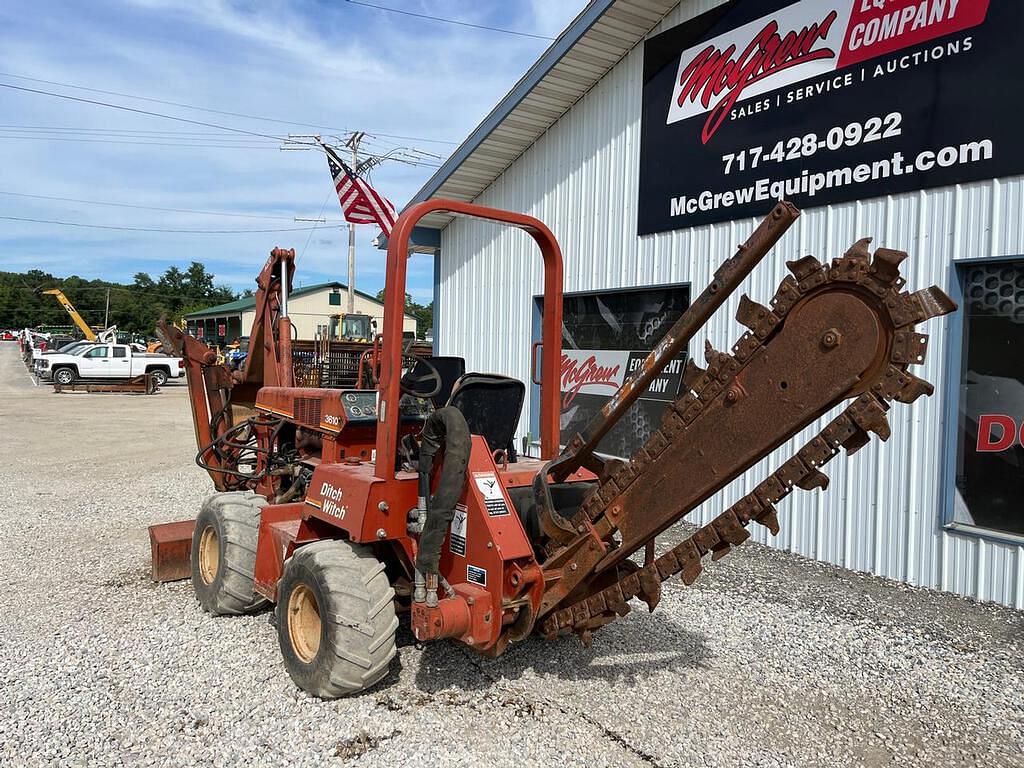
(313, 309)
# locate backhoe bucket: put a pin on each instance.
(171, 547)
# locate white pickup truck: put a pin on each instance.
(109, 361)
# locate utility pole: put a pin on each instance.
(106, 312)
(353, 144)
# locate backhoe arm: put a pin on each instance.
(214, 391)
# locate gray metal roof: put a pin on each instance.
(596, 40)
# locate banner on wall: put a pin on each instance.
(602, 371)
(821, 101)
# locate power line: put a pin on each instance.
(310, 235)
(449, 21)
(415, 161)
(152, 229)
(149, 207)
(139, 111)
(213, 111)
(116, 131)
(139, 143)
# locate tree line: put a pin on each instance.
(134, 307)
(424, 313)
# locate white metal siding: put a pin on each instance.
(882, 511)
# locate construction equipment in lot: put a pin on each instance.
(108, 335)
(346, 507)
(76, 318)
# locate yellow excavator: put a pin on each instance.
(83, 326)
(107, 335)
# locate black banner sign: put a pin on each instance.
(821, 101)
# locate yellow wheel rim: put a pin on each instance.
(304, 623)
(209, 554)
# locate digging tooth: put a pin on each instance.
(934, 302)
(813, 479)
(913, 389)
(804, 268)
(886, 264)
(650, 588)
(770, 520)
(749, 313)
(691, 570)
(710, 353)
(859, 251)
(692, 374)
(720, 550)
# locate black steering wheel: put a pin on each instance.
(421, 379)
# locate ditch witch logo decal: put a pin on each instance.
(802, 41)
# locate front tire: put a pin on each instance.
(64, 376)
(336, 619)
(224, 553)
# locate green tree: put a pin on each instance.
(134, 307)
(424, 313)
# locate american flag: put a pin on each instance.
(360, 203)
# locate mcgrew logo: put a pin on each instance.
(717, 77)
(576, 375)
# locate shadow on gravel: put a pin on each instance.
(626, 651)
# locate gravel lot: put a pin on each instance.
(770, 660)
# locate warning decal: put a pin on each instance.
(476, 575)
(490, 488)
(458, 531)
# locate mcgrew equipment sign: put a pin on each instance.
(821, 101)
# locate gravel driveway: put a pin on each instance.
(770, 660)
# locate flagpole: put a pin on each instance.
(353, 144)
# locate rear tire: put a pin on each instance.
(224, 553)
(336, 619)
(64, 376)
(159, 376)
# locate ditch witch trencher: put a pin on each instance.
(346, 508)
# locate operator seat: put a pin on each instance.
(492, 405)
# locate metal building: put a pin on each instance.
(565, 146)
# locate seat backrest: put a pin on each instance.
(492, 405)
(450, 369)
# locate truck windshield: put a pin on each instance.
(356, 327)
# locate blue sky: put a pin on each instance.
(333, 64)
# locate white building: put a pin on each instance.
(313, 309)
(565, 145)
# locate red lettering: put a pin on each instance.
(577, 375)
(986, 443)
(713, 73)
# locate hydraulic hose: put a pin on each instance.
(447, 428)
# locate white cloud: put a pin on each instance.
(336, 65)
